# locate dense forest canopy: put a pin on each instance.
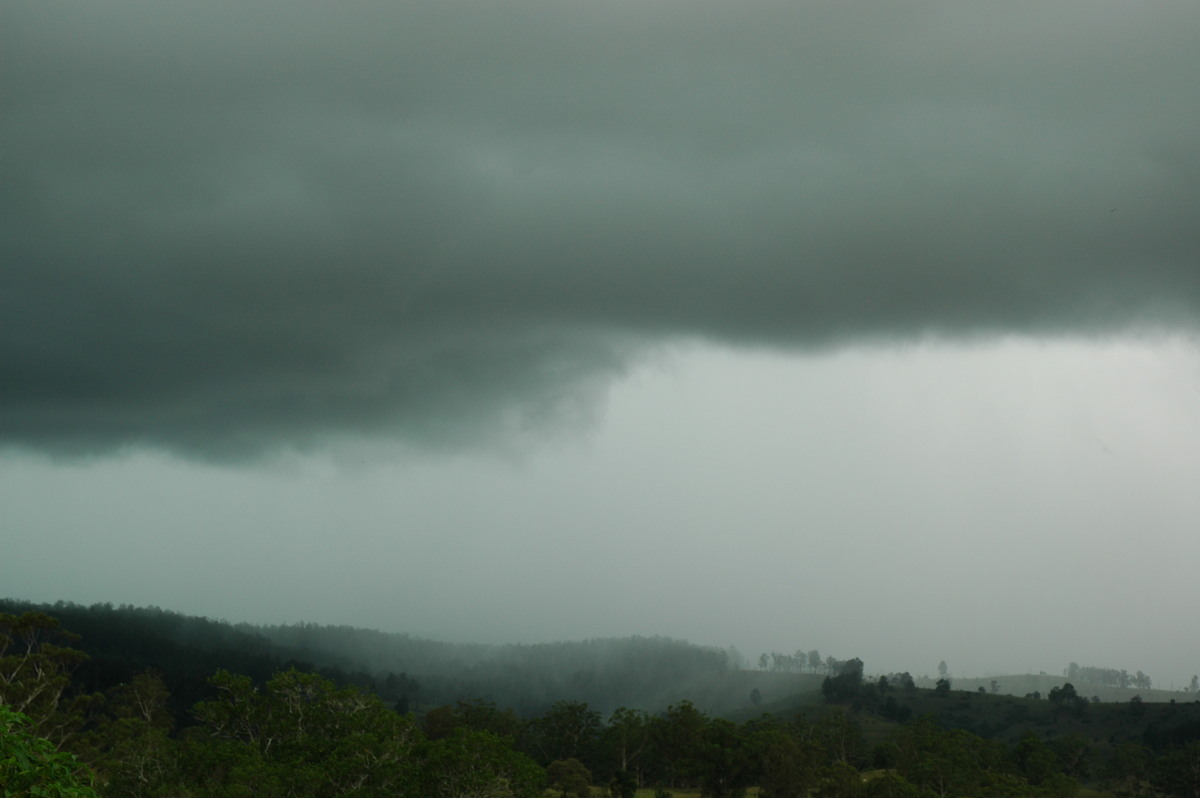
(117, 716)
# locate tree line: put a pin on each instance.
(300, 733)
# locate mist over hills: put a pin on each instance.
(614, 711)
(640, 672)
(414, 673)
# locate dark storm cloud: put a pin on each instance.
(231, 226)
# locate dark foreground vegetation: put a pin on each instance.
(284, 730)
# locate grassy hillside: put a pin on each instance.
(1023, 684)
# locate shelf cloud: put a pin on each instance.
(231, 227)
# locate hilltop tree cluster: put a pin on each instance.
(1066, 698)
(799, 662)
(1110, 677)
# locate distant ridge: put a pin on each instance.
(635, 672)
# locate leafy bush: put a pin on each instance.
(30, 765)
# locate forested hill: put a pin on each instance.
(635, 672)
(303, 735)
(609, 673)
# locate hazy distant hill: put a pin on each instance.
(738, 721)
(414, 673)
(607, 673)
(1025, 683)
(636, 672)
(186, 650)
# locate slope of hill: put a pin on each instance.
(636, 672)
(1005, 718)
(1025, 683)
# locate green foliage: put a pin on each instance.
(891, 785)
(477, 764)
(145, 761)
(623, 784)
(841, 737)
(186, 650)
(302, 733)
(1074, 755)
(625, 742)
(678, 739)
(1037, 763)
(475, 714)
(1178, 773)
(31, 766)
(788, 766)
(570, 777)
(950, 762)
(35, 674)
(839, 780)
(726, 767)
(568, 730)
(133, 747)
(1128, 766)
(894, 710)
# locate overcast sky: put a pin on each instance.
(869, 327)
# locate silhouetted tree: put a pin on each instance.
(846, 684)
(1066, 699)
